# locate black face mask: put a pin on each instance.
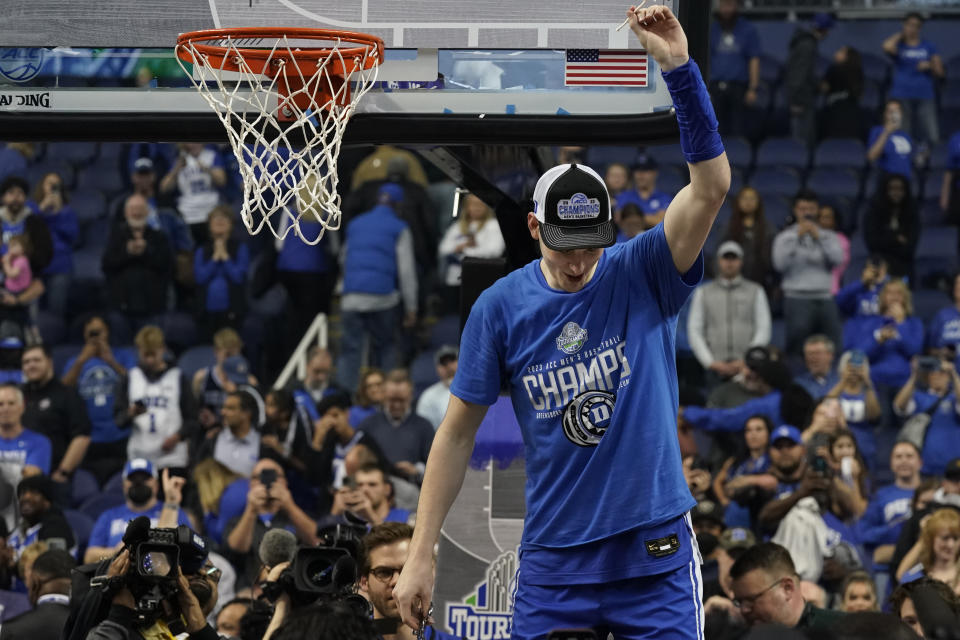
(139, 493)
(707, 542)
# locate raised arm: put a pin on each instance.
(692, 212)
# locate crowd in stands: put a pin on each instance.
(141, 329)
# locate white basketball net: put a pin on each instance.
(284, 184)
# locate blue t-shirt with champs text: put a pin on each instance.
(593, 382)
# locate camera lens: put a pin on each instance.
(155, 563)
(320, 573)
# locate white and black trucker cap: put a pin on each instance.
(572, 204)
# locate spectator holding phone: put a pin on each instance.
(367, 495)
(51, 203)
(140, 493)
(269, 506)
(937, 397)
(858, 401)
(917, 65)
(862, 297)
(95, 372)
(889, 146)
(891, 338)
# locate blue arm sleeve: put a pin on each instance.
(733, 419)
(480, 366)
(699, 137)
(847, 298)
(203, 270)
(237, 266)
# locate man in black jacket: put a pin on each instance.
(49, 589)
(40, 518)
(137, 264)
(56, 411)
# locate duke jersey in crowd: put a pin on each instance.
(198, 194)
(212, 395)
(593, 383)
(161, 396)
(29, 449)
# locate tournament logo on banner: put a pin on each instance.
(20, 64)
(486, 614)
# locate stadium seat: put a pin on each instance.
(445, 331)
(194, 359)
(872, 97)
(668, 154)
(89, 205)
(736, 181)
(671, 180)
(931, 215)
(34, 173)
(12, 163)
(82, 526)
(950, 95)
(932, 183)
(875, 67)
(782, 152)
(100, 502)
(938, 157)
(739, 152)
(78, 153)
(778, 333)
(834, 182)
(423, 372)
(86, 264)
(114, 486)
(104, 177)
(927, 302)
(52, 328)
(858, 247)
(937, 242)
(775, 182)
(82, 486)
(770, 70)
(599, 158)
(777, 211)
(62, 354)
(179, 330)
(840, 152)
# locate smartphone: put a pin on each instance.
(350, 483)
(857, 358)
(928, 363)
(140, 405)
(268, 477)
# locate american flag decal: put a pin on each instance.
(606, 68)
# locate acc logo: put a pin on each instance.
(578, 207)
(488, 612)
(20, 64)
(571, 338)
(587, 417)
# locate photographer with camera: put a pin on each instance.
(936, 405)
(140, 491)
(152, 597)
(368, 496)
(269, 506)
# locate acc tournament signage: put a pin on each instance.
(477, 559)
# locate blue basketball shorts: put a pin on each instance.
(663, 606)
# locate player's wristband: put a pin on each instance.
(699, 138)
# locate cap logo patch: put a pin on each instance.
(578, 207)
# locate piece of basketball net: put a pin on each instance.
(285, 105)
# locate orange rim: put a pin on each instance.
(300, 60)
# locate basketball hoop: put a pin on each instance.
(272, 87)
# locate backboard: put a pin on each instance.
(486, 71)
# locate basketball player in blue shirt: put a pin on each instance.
(584, 337)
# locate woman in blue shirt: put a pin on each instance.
(858, 402)
(737, 476)
(891, 338)
(916, 65)
(945, 327)
(50, 202)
